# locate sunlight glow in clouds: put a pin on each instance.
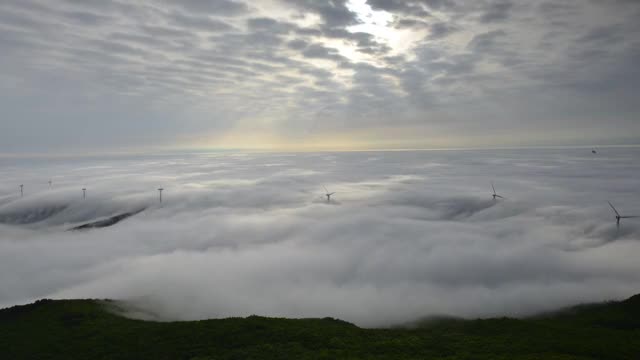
(103, 76)
(372, 21)
(379, 24)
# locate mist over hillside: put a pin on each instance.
(407, 234)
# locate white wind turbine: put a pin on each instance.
(495, 195)
(618, 216)
(328, 194)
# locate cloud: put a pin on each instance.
(496, 12)
(334, 13)
(415, 8)
(441, 30)
(407, 234)
(213, 7)
(297, 44)
(317, 51)
(487, 41)
(202, 23)
(111, 75)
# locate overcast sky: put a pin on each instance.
(99, 75)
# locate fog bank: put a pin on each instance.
(407, 234)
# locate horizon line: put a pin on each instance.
(175, 151)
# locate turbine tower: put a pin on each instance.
(84, 193)
(618, 216)
(49, 182)
(21, 190)
(160, 193)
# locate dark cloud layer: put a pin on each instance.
(105, 75)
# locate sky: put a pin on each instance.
(407, 234)
(93, 76)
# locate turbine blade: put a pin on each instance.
(614, 209)
(629, 217)
(494, 189)
(501, 197)
(325, 189)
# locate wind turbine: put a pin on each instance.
(49, 182)
(328, 194)
(160, 192)
(494, 193)
(84, 193)
(618, 216)
(21, 190)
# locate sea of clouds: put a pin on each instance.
(408, 234)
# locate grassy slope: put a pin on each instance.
(84, 329)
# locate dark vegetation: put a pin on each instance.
(30, 216)
(87, 329)
(106, 222)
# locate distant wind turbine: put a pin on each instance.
(328, 194)
(49, 182)
(618, 216)
(21, 190)
(84, 193)
(494, 193)
(160, 192)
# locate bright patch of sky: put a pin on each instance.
(380, 25)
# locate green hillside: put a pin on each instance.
(85, 329)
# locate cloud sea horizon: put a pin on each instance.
(407, 234)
